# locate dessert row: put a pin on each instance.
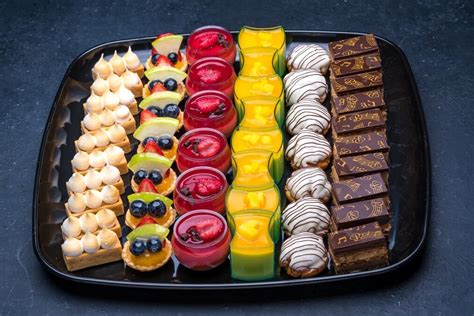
(235, 125)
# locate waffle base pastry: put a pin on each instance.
(157, 260)
(124, 144)
(130, 126)
(165, 221)
(167, 190)
(116, 207)
(86, 260)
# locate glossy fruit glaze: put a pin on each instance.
(210, 41)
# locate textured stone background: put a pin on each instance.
(40, 38)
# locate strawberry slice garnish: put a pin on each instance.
(206, 147)
(207, 105)
(147, 186)
(180, 57)
(146, 115)
(163, 61)
(152, 147)
(159, 87)
(209, 75)
(207, 187)
(153, 51)
(209, 229)
(206, 40)
(146, 220)
(163, 35)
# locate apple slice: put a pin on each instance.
(164, 73)
(161, 99)
(156, 127)
(149, 162)
(167, 44)
(149, 197)
(147, 231)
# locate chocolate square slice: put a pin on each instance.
(358, 248)
(355, 166)
(358, 82)
(360, 144)
(360, 188)
(359, 213)
(354, 123)
(353, 46)
(361, 101)
(355, 65)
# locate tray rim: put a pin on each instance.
(238, 285)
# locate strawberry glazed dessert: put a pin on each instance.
(210, 41)
(210, 108)
(211, 73)
(203, 147)
(201, 240)
(200, 188)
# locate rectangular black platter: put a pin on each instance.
(409, 175)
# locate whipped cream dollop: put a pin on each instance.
(93, 179)
(99, 86)
(131, 59)
(308, 56)
(122, 114)
(93, 199)
(115, 82)
(126, 96)
(86, 142)
(110, 194)
(110, 100)
(76, 203)
(308, 149)
(307, 214)
(102, 68)
(97, 159)
(109, 174)
(72, 247)
(101, 138)
(131, 79)
(116, 133)
(305, 84)
(114, 155)
(107, 118)
(94, 104)
(71, 227)
(308, 114)
(92, 121)
(308, 182)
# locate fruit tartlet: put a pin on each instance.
(166, 52)
(163, 79)
(98, 159)
(152, 173)
(92, 179)
(121, 115)
(118, 65)
(110, 100)
(149, 205)
(163, 104)
(156, 134)
(91, 223)
(92, 201)
(147, 248)
(101, 138)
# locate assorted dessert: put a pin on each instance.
(184, 123)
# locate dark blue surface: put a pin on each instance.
(40, 39)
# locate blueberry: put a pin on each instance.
(154, 244)
(171, 110)
(155, 110)
(157, 208)
(139, 176)
(165, 142)
(154, 58)
(137, 247)
(155, 177)
(149, 139)
(173, 57)
(171, 84)
(153, 83)
(138, 208)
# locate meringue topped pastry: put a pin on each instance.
(308, 149)
(89, 222)
(305, 84)
(308, 182)
(310, 115)
(308, 56)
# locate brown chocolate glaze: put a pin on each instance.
(355, 65)
(355, 189)
(367, 236)
(358, 101)
(353, 46)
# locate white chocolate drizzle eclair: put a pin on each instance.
(309, 56)
(303, 255)
(308, 182)
(305, 215)
(308, 114)
(308, 149)
(305, 84)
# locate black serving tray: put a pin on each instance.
(409, 175)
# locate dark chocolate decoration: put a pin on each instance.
(360, 165)
(367, 236)
(355, 122)
(353, 46)
(359, 213)
(361, 143)
(365, 187)
(357, 82)
(358, 101)
(355, 65)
